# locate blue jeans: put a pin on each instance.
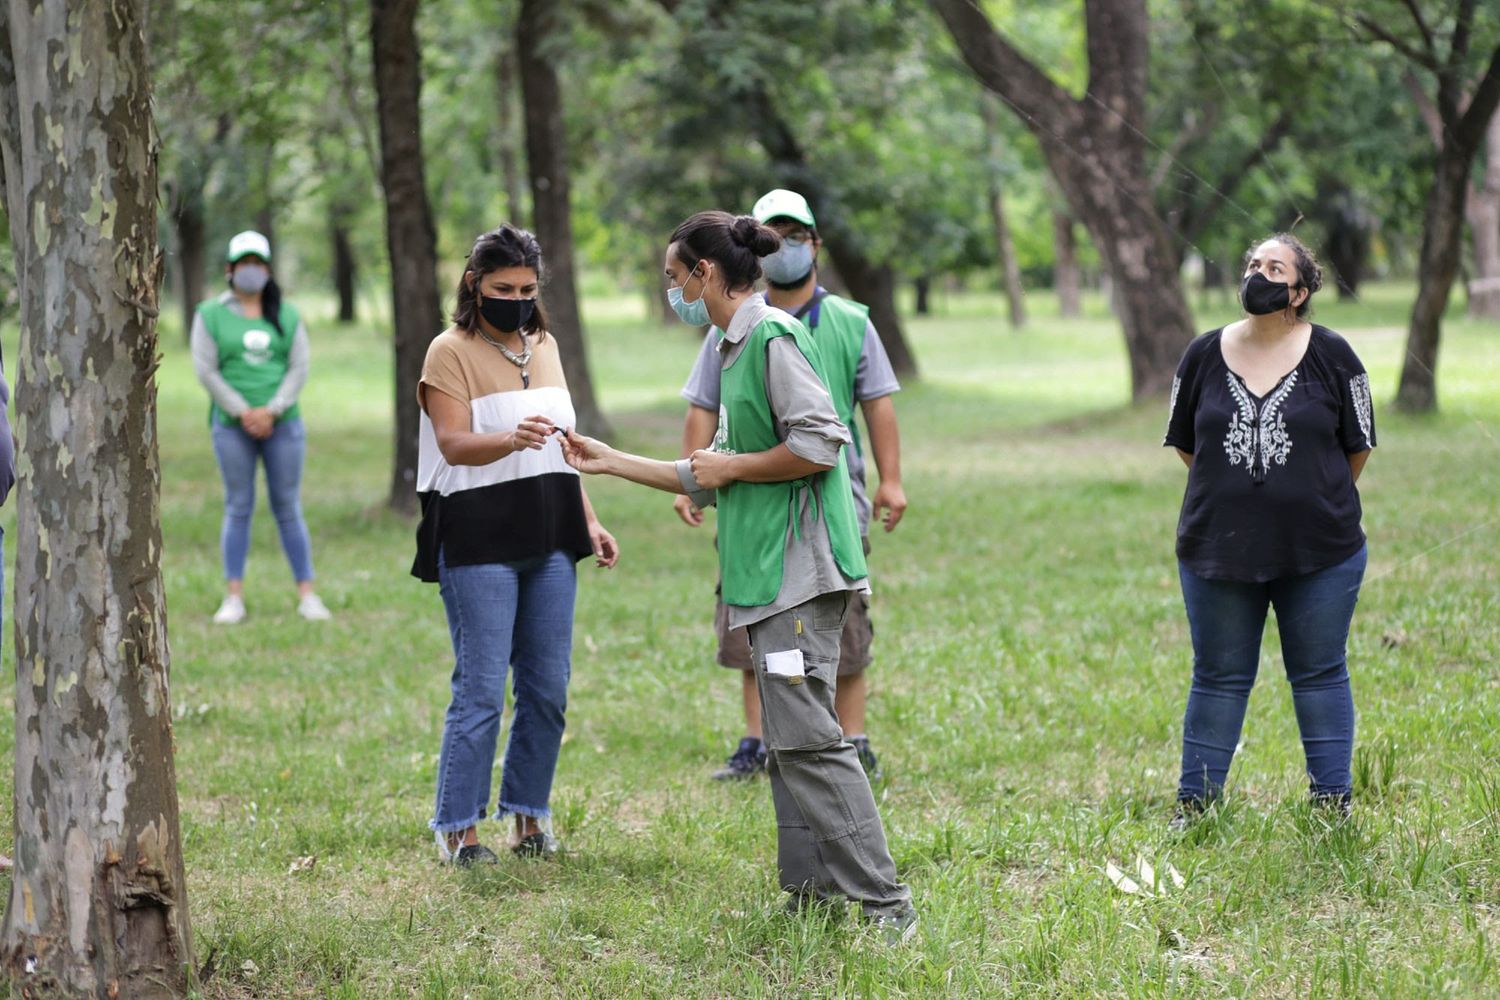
(504, 615)
(282, 453)
(1227, 619)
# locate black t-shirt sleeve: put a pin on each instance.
(1356, 407)
(1183, 402)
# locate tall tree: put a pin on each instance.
(1462, 135)
(1481, 205)
(1005, 250)
(1095, 147)
(410, 235)
(98, 904)
(538, 41)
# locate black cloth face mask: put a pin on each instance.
(1261, 296)
(506, 315)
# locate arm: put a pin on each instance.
(885, 442)
(1187, 458)
(461, 446)
(606, 551)
(296, 374)
(206, 367)
(1357, 463)
(595, 458)
(776, 465)
(698, 430)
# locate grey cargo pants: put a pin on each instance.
(829, 839)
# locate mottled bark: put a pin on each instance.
(97, 905)
(551, 200)
(409, 232)
(1095, 149)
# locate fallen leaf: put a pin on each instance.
(303, 864)
(1122, 881)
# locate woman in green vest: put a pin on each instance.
(250, 352)
(789, 556)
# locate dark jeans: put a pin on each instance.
(1227, 619)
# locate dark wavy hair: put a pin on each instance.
(736, 243)
(507, 246)
(1309, 270)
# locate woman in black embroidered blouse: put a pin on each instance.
(1272, 415)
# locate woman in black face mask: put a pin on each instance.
(504, 520)
(1273, 418)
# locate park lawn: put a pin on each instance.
(1032, 663)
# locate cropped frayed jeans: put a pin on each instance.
(1227, 618)
(516, 616)
(282, 454)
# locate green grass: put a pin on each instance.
(1032, 662)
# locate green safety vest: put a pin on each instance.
(839, 341)
(754, 517)
(253, 357)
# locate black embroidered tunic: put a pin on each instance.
(1270, 493)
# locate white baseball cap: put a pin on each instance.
(247, 244)
(783, 204)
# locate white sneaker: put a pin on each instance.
(231, 612)
(313, 609)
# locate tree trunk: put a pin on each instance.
(343, 268)
(1442, 245)
(98, 904)
(191, 227)
(1065, 266)
(1005, 250)
(1484, 224)
(923, 288)
(510, 171)
(551, 200)
(1095, 149)
(410, 237)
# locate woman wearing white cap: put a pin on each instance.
(250, 353)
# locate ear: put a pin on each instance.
(469, 280)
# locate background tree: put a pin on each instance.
(1446, 53)
(538, 44)
(98, 904)
(1095, 147)
(411, 238)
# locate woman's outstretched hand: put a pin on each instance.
(584, 453)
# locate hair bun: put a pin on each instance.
(754, 236)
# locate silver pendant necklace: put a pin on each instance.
(519, 360)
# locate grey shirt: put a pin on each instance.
(809, 426)
(206, 365)
(874, 378)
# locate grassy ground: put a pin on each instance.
(1032, 661)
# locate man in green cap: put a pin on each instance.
(859, 372)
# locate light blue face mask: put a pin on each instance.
(791, 264)
(694, 313)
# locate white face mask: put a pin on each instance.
(791, 264)
(250, 278)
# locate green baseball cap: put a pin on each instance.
(783, 204)
(248, 244)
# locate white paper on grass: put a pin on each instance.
(785, 664)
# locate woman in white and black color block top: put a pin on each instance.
(1272, 416)
(504, 520)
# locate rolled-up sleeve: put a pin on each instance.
(803, 410)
